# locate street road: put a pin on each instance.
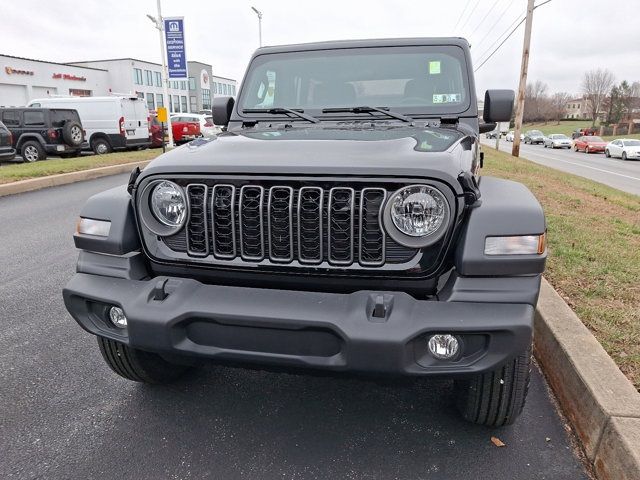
(614, 172)
(64, 415)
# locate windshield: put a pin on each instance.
(559, 136)
(535, 132)
(425, 79)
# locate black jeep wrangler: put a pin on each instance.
(38, 132)
(339, 223)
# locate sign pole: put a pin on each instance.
(165, 74)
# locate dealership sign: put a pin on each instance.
(174, 38)
(68, 76)
(17, 71)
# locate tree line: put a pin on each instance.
(603, 98)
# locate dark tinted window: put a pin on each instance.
(11, 118)
(58, 117)
(33, 118)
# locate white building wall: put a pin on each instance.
(22, 80)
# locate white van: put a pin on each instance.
(110, 123)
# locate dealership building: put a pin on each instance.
(22, 80)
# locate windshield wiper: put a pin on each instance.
(281, 110)
(365, 109)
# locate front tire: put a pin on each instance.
(137, 365)
(496, 398)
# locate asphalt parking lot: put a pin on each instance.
(623, 175)
(66, 416)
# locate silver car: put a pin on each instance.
(557, 140)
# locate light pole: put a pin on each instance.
(159, 24)
(259, 13)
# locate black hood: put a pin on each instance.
(335, 150)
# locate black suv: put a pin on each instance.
(41, 131)
(7, 152)
(340, 223)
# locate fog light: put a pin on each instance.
(443, 347)
(117, 316)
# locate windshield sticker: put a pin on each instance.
(434, 67)
(447, 98)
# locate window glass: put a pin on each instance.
(59, 117)
(150, 103)
(33, 118)
(11, 118)
(193, 104)
(214, 85)
(159, 100)
(183, 103)
(632, 143)
(158, 76)
(176, 103)
(183, 85)
(137, 76)
(420, 79)
(149, 77)
(206, 99)
(192, 83)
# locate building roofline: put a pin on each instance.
(51, 63)
(224, 78)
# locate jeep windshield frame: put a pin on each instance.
(417, 81)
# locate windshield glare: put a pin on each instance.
(410, 79)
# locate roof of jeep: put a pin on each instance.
(380, 42)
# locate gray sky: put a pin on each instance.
(569, 36)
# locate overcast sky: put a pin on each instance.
(569, 36)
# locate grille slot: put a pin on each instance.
(198, 231)
(280, 224)
(251, 222)
(223, 221)
(371, 249)
(340, 231)
(310, 238)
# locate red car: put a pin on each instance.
(183, 130)
(589, 144)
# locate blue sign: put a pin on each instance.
(174, 38)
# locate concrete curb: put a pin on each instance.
(31, 184)
(600, 402)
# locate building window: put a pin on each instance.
(137, 76)
(176, 103)
(215, 87)
(149, 77)
(206, 100)
(183, 85)
(159, 100)
(183, 102)
(150, 101)
(192, 83)
(140, 95)
(193, 104)
(233, 90)
(78, 92)
(158, 76)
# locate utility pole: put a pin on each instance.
(259, 13)
(498, 136)
(159, 22)
(515, 150)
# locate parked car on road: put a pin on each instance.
(584, 132)
(511, 136)
(207, 128)
(625, 148)
(7, 152)
(533, 136)
(185, 129)
(492, 134)
(115, 122)
(589, 144)
(557, 140)
(319, 232)
(38, 132)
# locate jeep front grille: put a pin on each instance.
(333, 226)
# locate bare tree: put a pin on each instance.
(535, 99)
(596, 84)
(558, 105)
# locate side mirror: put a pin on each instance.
(498, 105)
(221, 110)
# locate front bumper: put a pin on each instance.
(6, 154)
(329, 331)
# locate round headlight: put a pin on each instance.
(418, 210)
(168, 204)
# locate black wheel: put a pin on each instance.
(575, 148)
(586, 149)
(496, 398)
(624, 156)
(100, 146)
(32, 151)
(137, 365)
(72, 133)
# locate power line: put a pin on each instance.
(490, 30)
(498, 47)
(484, 18)
(462, 14)
(499, 37)
(470, 15)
